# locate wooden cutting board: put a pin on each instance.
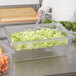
(9, 15)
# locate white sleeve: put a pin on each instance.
(75, 8)
(46, 4)
(75, 12)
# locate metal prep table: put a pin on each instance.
(46, 66)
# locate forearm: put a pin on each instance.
(40, 13)
(44, 8)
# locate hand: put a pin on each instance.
(39, 14)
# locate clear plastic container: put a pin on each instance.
(6, 60)
(74, 34)
(39, 51)
(62, 18)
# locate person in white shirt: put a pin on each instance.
(61, 9)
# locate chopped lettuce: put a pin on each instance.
(35, 36)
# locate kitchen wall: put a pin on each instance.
(21, 3)
(40, 1)
(18, 2)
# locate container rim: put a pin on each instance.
(39, 25)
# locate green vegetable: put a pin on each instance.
(74, 26)
(62, 22)
(41, 34)
(42, 44)
(47, 21)
(53, 21)
(68, 25)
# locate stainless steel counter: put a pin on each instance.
(46, 66)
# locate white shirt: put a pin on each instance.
(61, 9)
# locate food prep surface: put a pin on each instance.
(48, 66)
